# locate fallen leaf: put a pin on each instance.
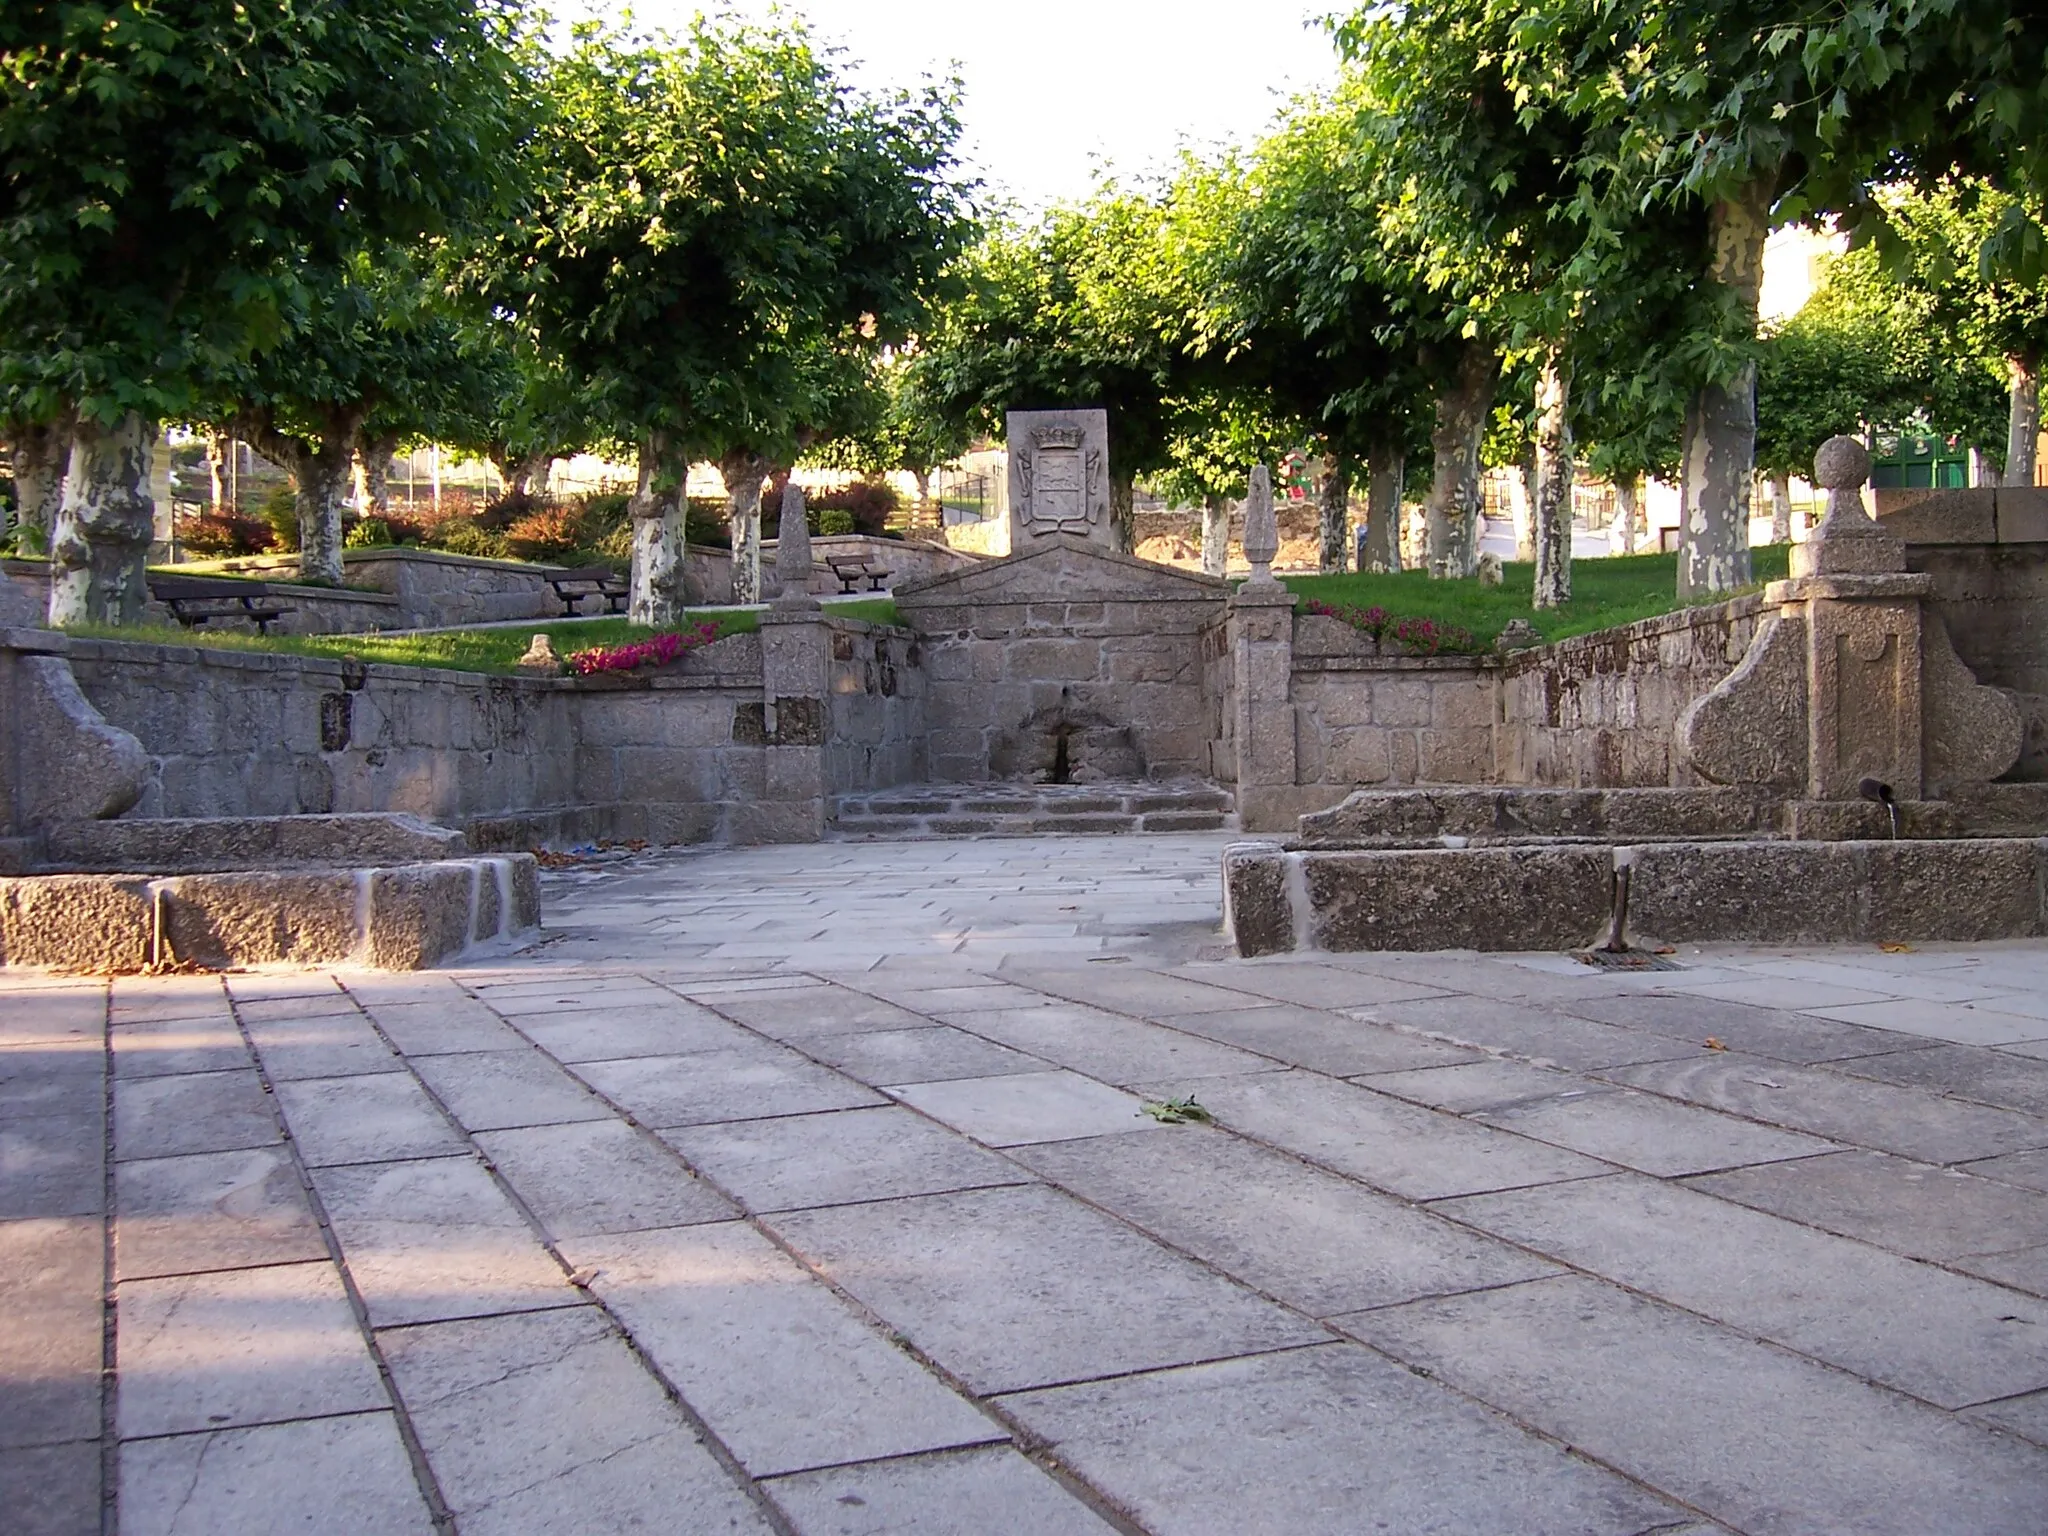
(1716, 1043)
(1895, 949)
(582, 1277)
(1175, 1111)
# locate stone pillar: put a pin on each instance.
(1261, 637)
(796, 659)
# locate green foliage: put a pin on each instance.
(370, 533)
(835, 520)
(169, 174)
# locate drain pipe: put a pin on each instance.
(1616, 942)
(1876, 789)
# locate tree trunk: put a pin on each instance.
(39, 454)
(1123, 514)
(373, 475)
(1455, 498)
(1781, 509)
(1215, 535)
(322, 474)
(656, 511)
(99, 545)
(2023, 418)
(218, 446)
(1386, 469)
(744, 473)
(1553, 513)
(1522, 507)
(1625, 493)
(1720, 420)
(1335, 557)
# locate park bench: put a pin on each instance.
(854, 569)
(592, 581)
(193, 600)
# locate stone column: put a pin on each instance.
(1261, 637)
(796, 658)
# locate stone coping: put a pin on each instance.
(256, 564)
(1562, 896)
(196, 845)
(397, 918)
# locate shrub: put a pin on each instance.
(280, 509)
(547, 533)
(655, 651)
(370, 533)
(500, 513)
(225, 535)
(870, 502)
(462, 536)
(835, 520)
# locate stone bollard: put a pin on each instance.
(1261, 638)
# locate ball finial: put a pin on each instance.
(1841, 464)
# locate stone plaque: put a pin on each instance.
(1059, 477)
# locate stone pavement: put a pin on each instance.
(807, 1190)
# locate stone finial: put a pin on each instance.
(793, 551)
(1261, 528)
(1848, 541)
(540, 659)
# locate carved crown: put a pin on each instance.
(1056, 437)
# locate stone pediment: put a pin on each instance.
(1061, 568)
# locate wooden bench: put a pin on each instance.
(193, 600)
(592, 581)
(853, 569)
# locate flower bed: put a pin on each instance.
(654, 651)
(1417, 635)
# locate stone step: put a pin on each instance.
(1032, 810)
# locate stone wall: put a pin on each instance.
(434, 590)
(877, 702)
(25, 600)
(707, 570)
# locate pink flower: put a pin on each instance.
(654, 651)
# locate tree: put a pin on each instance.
(704, 214)
(891, 424)
(167, 174)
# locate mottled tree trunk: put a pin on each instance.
(1123, 512)
(1386, 470)
(99, 544)
(1455, 497)
(656, 510)
(322, 474)
(1335, 556)
(1522, 508)
(1215, 535)
(218, 446)
(39, 454)
(745, 472)
(373, 475)
(1781, 509)
(2023, 418)
(1625, 494)
(1720, 420)
(1554, 482)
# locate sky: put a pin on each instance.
(1054, 90)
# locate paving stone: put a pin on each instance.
(1939, 1336)
(268, 986)
(599, 1176)
(935, 1053)
(1651, 1135)
(1753, 1436)
(545, 1421)
(324, 1477)
(165, 1047)
(968, 995)
(1910, 1122)
(52, 1165)
(50, 1330)
(664, 1091)
(1023, 1107)
(619, 1001)
(817, 1010)
(444, 1028)
(1787, 992)
(2024, 1416)
(496, 1090)
(327, 1003)
(65, 1013)
(66, 1077)
(1405, 1150)
(166, 997)
(834, 1159)
(779, 1368)
(203, 1112)
(198, 1352)
(1015, 1288)
(1327, 1440)
(1936, 1021)
(1109, 1046)
(1535, 1034)
(676, 1028)
(1783, 1036)
(993, 1489)
(2027, 1169)
(425, 1241)
(1487, 976)
(1910, 1208)
(1307, 984)
(1129, 989)
(52, 1490)
(1966, 1071)
(333, 1045)
(2025, 1270)
(1322, 1042)
(211, 1210)
(380, 1118)
(1488, 1083)
(1310, 1238)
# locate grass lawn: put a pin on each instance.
(468, 650)
(1617, 590)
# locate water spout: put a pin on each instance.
(1881, 792)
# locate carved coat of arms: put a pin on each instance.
(1061, 481)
